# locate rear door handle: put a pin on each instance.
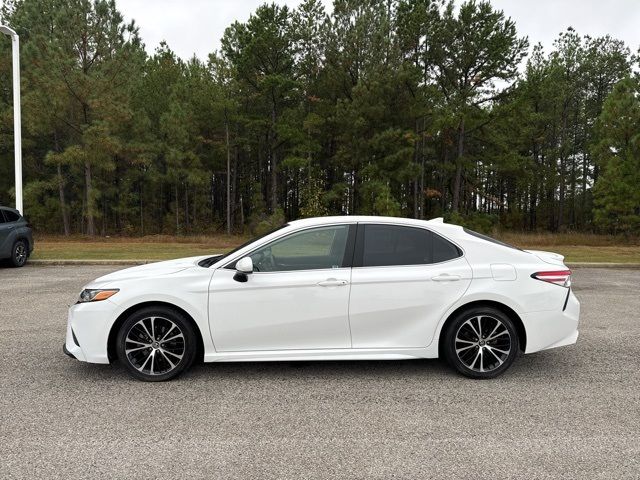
(332, 282)
(445, 277)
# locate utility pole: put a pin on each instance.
(17, 128)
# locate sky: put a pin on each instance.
(196, 26)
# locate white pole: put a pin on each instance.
(17, 124)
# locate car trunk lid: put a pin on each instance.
(548, 257)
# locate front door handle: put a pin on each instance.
(445, 277)
(332, 282)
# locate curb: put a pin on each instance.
(144, 262)
(603, 265)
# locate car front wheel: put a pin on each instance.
(481, 342)
(156, 344)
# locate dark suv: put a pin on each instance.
(16, 239)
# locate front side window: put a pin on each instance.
(387, 245)
(313, 249)
(207, 262)
(2, 216)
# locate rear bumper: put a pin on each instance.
(551, 329)
(30, 241)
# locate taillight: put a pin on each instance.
(557, 277)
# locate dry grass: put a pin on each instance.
(576, 247)
(608, 254)
(156, 247)
(222, 240)
(579, 247)
(530, 240)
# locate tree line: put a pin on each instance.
(416, 108)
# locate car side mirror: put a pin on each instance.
(244, 267)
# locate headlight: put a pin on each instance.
(95, 295)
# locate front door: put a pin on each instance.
(296, 298)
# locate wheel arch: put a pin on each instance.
(508, 311)
(113, 332)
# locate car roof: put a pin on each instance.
(294, 225)
(436, 224)
(2, 207)
(363, 219)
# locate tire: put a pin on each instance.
(485, 356)
(170, 353)
(19, 254)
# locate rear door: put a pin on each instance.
(5, 233)
(403, 280)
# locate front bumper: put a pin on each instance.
(67, 352)
(88, 327)
(551, 329)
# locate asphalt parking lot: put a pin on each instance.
(572, 412)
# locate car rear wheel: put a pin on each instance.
(156, 344)
(481, 342)
(19, 253)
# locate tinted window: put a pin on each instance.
(392, 245)
(444, 250)
(316, 248)
(11, 216)
(385, 245)
(1, 217)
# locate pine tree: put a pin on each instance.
(617, 197)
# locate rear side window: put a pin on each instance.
(2, 220)
(387, 245)
(11, 216)
(444, 250)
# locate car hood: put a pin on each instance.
(156, 269)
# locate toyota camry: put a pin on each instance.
(332, 288)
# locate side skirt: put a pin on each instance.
(322, 354)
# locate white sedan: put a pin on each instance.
(333, 288)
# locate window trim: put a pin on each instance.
(347, 259)
(358, 257)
